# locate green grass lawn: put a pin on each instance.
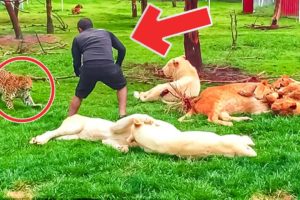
(77, 169)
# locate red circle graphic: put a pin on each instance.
(52, 92)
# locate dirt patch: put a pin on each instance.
(25, 195)
(279, 195)
(29, 44)
(21, 190)
(263, 27)
(215, 73)
(211, 73)
(11, 41)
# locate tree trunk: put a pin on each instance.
(191, 41)
(50, 28)
(14, 19)
(17, 7)
(174, 3)
(133, 8)
(277, 13)
(143, 5)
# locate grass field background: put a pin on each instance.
(77, 169)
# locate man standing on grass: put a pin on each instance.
(92, 49)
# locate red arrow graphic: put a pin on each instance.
(151, 31)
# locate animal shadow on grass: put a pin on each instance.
(139, 151)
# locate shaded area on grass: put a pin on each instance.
(148, 72)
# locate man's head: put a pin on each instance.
(83, 24)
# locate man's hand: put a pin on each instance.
(77, 71)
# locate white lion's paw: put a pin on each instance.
(149, 121)
(38, 140)
(136, 94)
(123, 148)
(246, 118)
(145, 119)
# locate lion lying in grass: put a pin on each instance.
(286, 106)
(220, 102)
(288, 98)
(161, 137)
(151, 134)
(285, 96)
(185, 80)
(76, 127)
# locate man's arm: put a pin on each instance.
(76, 57)
(119, 46)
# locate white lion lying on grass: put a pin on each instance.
(185, 81)
(152, 135)
(76, 127)
(161, 137)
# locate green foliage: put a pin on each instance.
(77, 169)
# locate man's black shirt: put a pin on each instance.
(96, 45)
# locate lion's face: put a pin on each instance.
(174, 65)
(295, 95)
(284, 106)
(263, 89)
(282, 82)
(272, 97)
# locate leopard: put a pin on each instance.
(16, 86)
